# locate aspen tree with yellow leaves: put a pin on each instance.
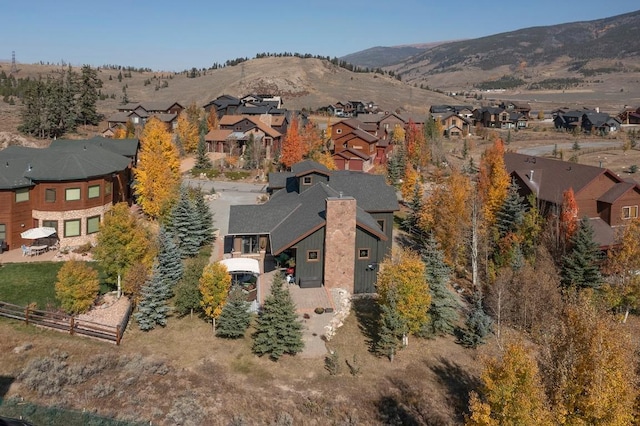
(214, 287)
(493, 181)
(157, 176)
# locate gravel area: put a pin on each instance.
(109, 310)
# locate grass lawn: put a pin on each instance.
(24, 283)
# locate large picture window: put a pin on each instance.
(22, 194)
(250, 244)
(72, 228)
(93, 224)
(50, 195)
(94, 191)
(72, 194)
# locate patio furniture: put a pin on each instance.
(26, 251)
(3, 246)
(36, 250)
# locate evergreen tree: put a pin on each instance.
(392, 327)
(204, 219)
(202, 159)
(187, 300)
(235, 317)
(169, 265)
(580, 266)
(88, 96)
(443, 312)
(396, 165)
(511, 214)
(184, 227)
(278, 329)
(477, 325)
(153, 308)
(410, 223)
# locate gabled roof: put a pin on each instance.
(289, 217)
(218, 135)
(358, 133)
(350, 153)
(550, 177)
(230, 120)
(309, 166)
(617, 191)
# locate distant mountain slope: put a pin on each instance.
(609, 38)
(382, 56)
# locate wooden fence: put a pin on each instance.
(67, 323)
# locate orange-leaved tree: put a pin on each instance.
(568, 217)
(311, 139)
(410, 179)
(77, 286)
(447, 215)
(404, 274)
(493, 181)
(213, 122)
(157, 175)
(623, 289)
(293, 149)
(417, 148)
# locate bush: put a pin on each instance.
(237, 175)
(209, 173)
(319, 310)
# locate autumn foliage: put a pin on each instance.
(293, 148)
(404, 272)
(493, 181)
(214, 287)
(568, 216)
(158, 173)
(77, 286)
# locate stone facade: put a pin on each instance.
(61, 216)
(340, 240)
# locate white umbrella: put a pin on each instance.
(40, 232)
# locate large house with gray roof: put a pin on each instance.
(68, 186)
(336, 225)
(609, 201)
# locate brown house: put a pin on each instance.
(258, 125)
(68, 186)
(601, 195)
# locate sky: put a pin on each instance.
(181, 34)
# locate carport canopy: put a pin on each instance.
(242, 264)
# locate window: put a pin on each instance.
(630, 212)
(50, 224)
(338, 131)
(93, 224)
(72, 194)
(313, 255)
(250, 244)
(94, 191)
(72, 228)
(108, 188)
(306, 180)
(3, 231)
(22, 194)
(381, 224)
(363, 253)
(50, 195)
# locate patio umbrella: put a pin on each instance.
(40, 232)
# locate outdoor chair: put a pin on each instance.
(26, 251)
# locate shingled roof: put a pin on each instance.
(549, 178)
(65, 161)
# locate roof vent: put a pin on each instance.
(340, 194)
(531, 176)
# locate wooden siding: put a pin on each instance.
(315, 178)
(17, 217)
(631, 198)
(306, 270)
(588, 197)
(365, 276)
(385, 246)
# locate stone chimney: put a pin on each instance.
(266, 119)
(339, 243)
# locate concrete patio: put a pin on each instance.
(16, 256)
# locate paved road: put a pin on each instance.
(229, 193)
(566, 147)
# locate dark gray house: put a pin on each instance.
(336, 225)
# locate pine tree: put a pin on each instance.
(169, 265)
(392, 326)
(443, 312)
(187, 300)
(202, 159)
(580, 266)
(477, 325)
(278, 329)
(235, 317)
(410, 223)
(88, 96)
(153, 308)
(204, 218)
(184, 227)
(511, 214)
